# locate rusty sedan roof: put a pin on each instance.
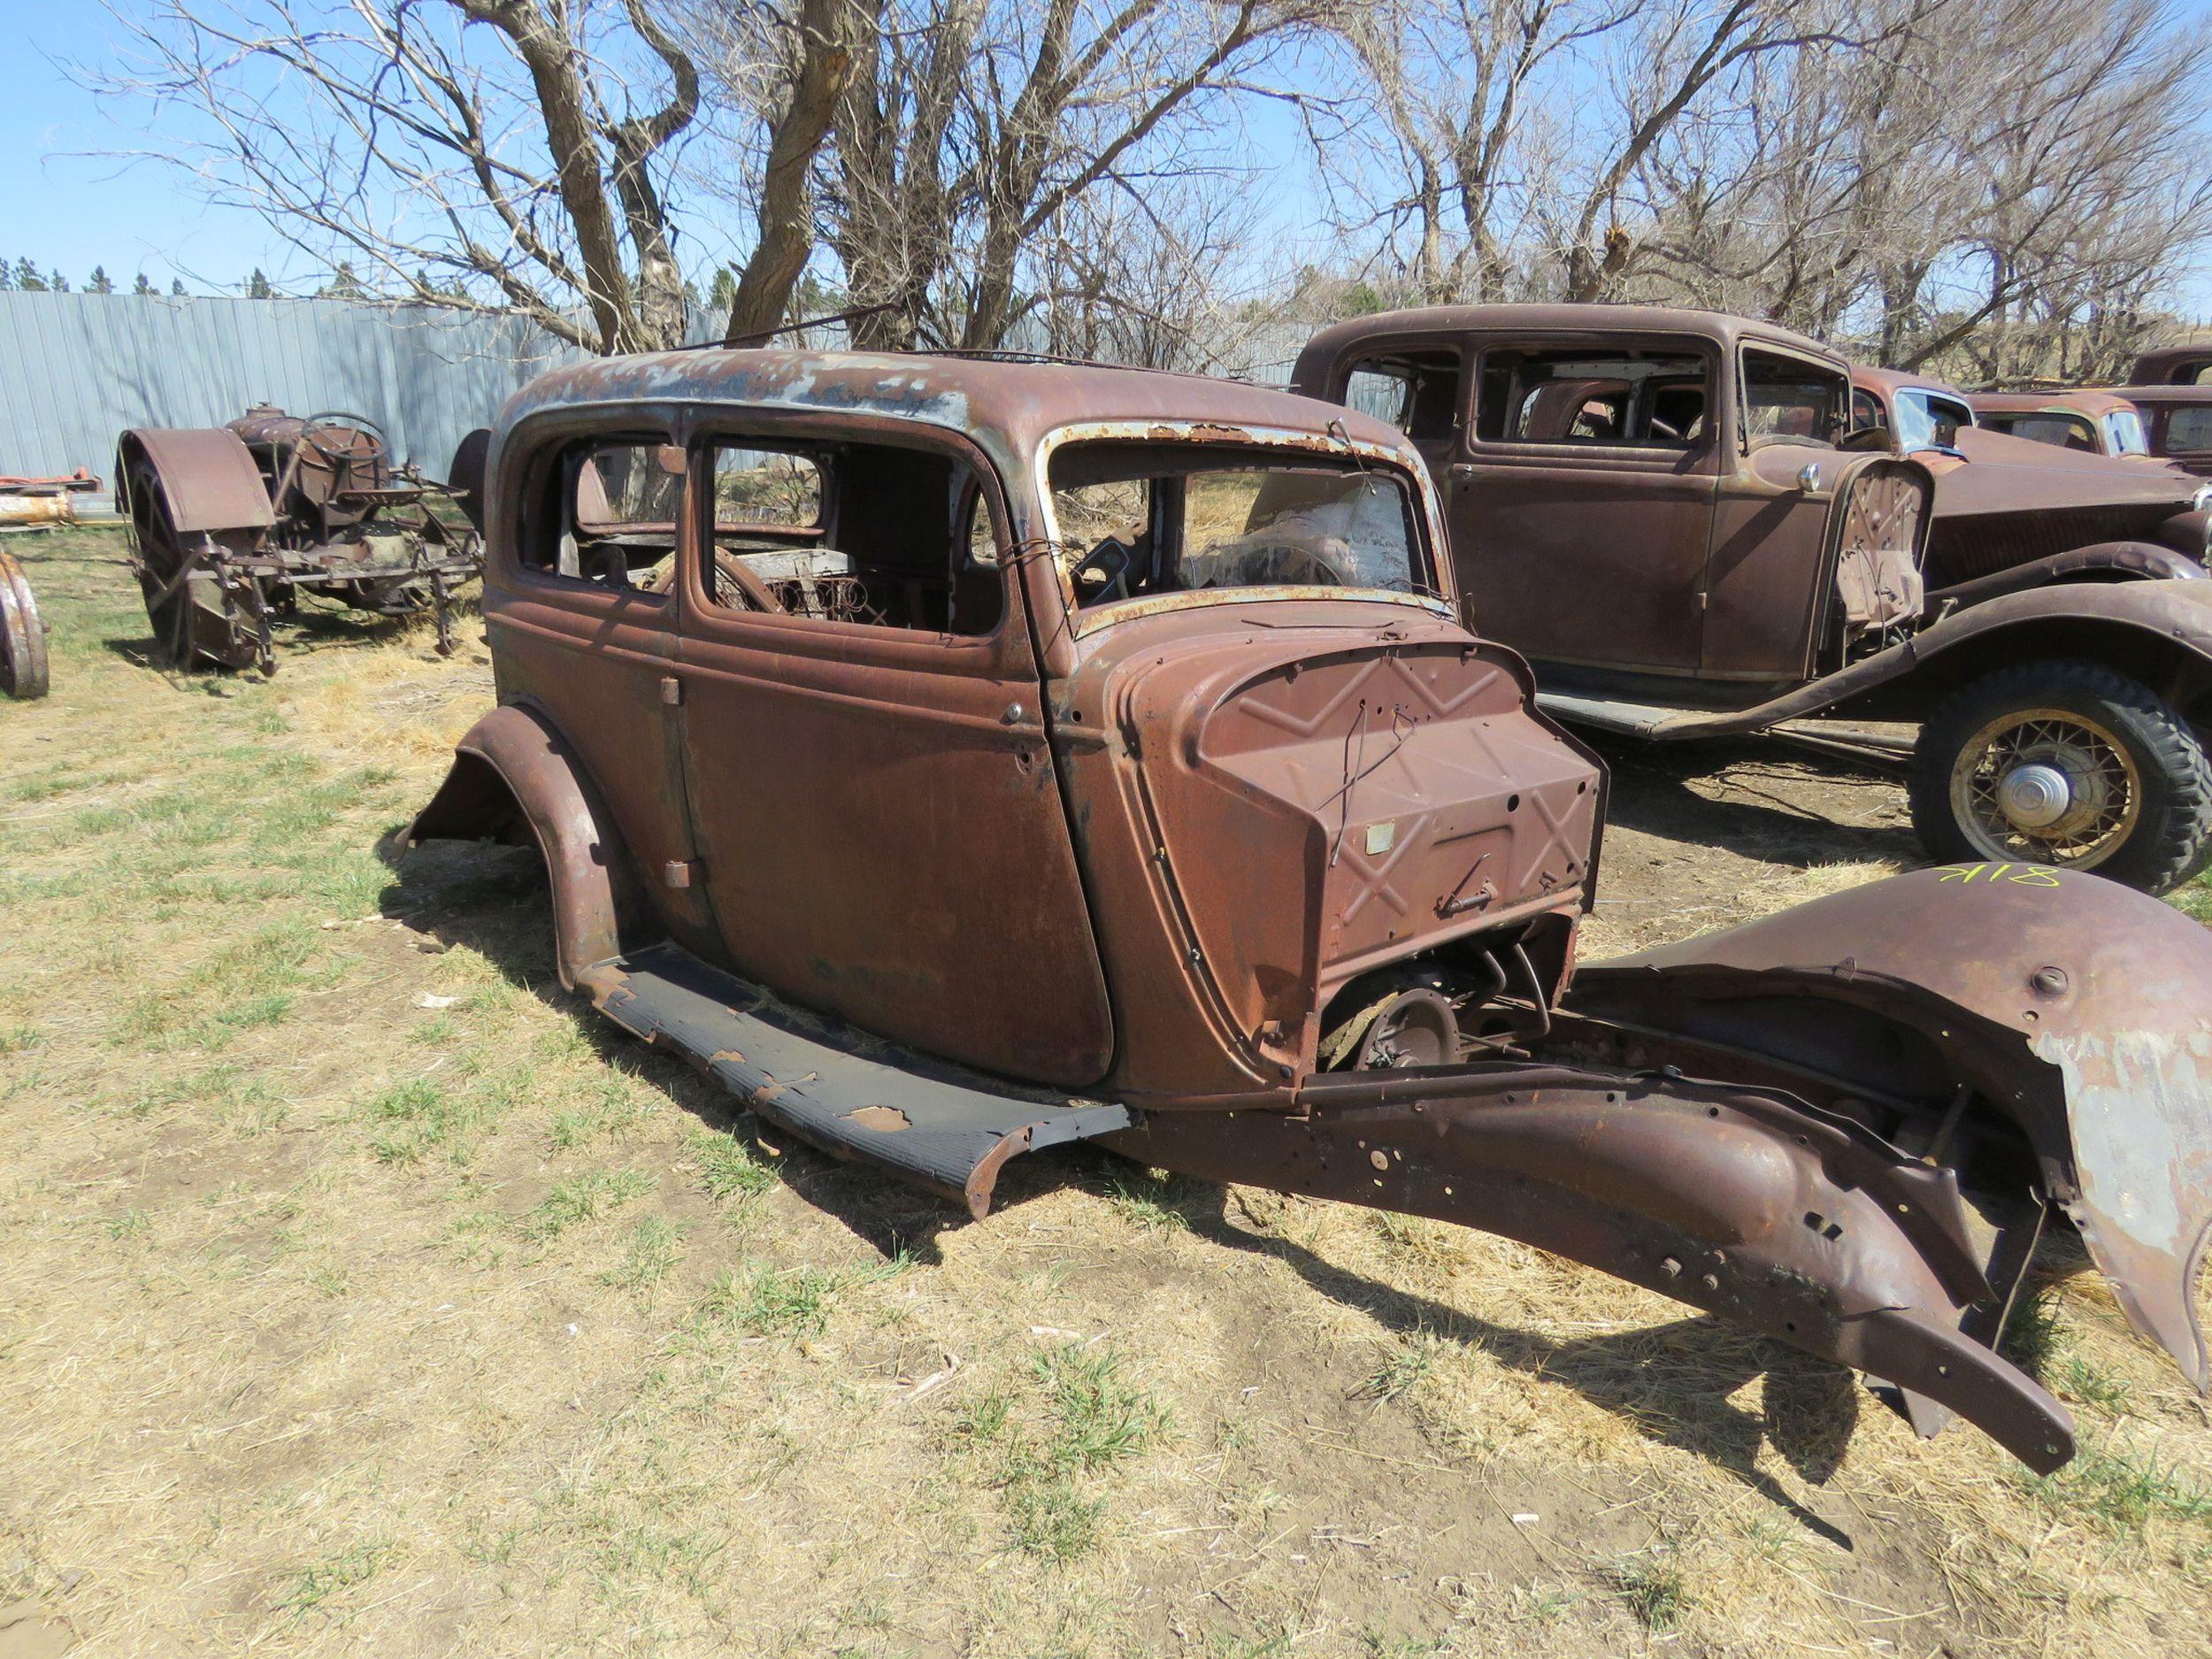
(1593, 319)
(2083, 401)
(2163, 394)
(1008, 404)
(1886, 380)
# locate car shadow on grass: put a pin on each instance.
(1784, 806)
(494, 901)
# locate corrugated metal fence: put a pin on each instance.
(75, 369)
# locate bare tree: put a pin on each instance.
(513, 155)
(975, 133)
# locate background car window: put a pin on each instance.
(1416, 392)
(2123, 433)
(606, 513)
(1867, 414)
(2190, 430)
(1927, 422)
(873, 534)
(1594, 396)
(2067, 432)
(1788, 399)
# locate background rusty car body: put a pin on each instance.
(1271, 881)
(2176, 424)
(1760, 565)
(229, 524)
(2188, 365)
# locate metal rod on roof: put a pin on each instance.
(854, 315)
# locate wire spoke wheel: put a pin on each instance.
(22, 635)
(2049, 786)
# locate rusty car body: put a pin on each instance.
(230, 524)
(2182, 365)
(2176, 424)
(1667, 512)
(2014, 511)
(955, 758)
(2085, 420)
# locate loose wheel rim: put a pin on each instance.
(22, 635)
(2046, 787)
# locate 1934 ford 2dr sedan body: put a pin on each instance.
(956, 757)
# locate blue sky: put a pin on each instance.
(75, 210)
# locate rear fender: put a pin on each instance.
(515, 779)
(1745, 1203)
(2077, 1011)
(208, 477)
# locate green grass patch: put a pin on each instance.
(317, 1583)
(2123, 1490)
(728, 1167)
(790, 1302)
(1652, 1588)
(654, 1248)
(581, 1198)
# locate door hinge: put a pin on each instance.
(684, 872)
(672, 691)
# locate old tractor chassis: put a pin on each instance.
(230, 524)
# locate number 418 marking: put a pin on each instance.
(2019, 875)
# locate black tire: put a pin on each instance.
(2147, 800)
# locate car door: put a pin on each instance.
(585, 628)
(877, 810)
(1581, 505)
(1770, 568)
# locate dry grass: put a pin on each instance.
(359, 1293)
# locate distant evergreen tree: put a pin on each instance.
(176, 287)
(343, 285)
(56, 281)
(141, 285)
(27, 279)
(101, 283)
(722, 295)
(257, 287)
(7, 277)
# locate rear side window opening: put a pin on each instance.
(1593, 394)
(604, 512)
(877, 535)
(880, 534)
(1137, 520)
(1417, 392)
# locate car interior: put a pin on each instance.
(877, 535)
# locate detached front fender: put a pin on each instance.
(2079, 1010)
(516, 779)
(1745, 1202)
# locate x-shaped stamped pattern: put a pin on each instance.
(1403, 682)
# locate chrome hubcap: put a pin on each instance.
(2034, 796)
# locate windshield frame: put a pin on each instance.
(1406, 468)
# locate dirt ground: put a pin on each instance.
(360, 1292)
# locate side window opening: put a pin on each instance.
(1867, 414)
(1417, 392)
(875, 534)
(1594, 395)
(1788, 400)
(605, 511)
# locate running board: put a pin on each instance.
(852, 1095)
(1659, 723)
